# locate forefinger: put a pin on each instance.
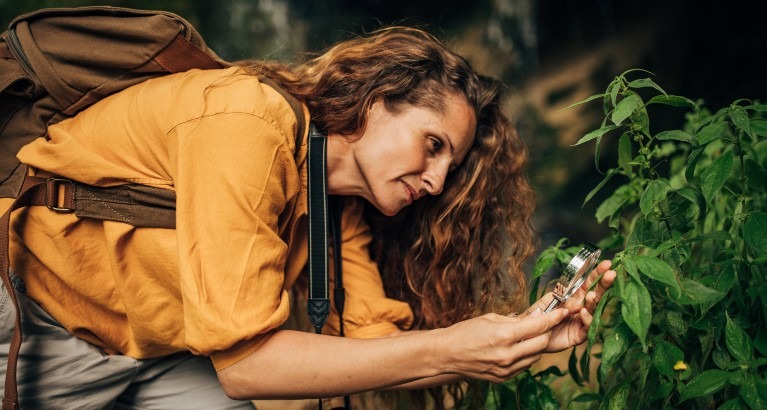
(537, 325)
(597, 274)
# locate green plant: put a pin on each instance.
(684, 324)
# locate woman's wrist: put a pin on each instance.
(442, 352)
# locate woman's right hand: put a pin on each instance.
(495, 347)
(490, 347)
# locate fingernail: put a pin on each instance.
(535, 313)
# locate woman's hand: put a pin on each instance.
(496, 347)
(574, 329)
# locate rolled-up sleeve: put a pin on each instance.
(368, 312)
(234, 176)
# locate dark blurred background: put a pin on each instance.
(550, 53)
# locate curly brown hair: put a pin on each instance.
(459, 254)
(463, 251)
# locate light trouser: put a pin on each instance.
(59, 371)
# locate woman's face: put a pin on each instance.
(407, 155)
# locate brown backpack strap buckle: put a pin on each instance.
(59, 195)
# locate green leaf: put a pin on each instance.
(655, 192)
(546, 399)
(527, 392)
(706, 383)
(599, 186)
(533, 296)
(597, 149)
(592, 98)
(641, 120)
(664, 357)
(646, 232)
(693, 195)
(658, 270)
(613, 90)
(638, 70)
(732, 404)
(761, 385)
(672, 100)
(572, 367)
(620, 280)
(756, 107)
(710, 132)
(754, 291)
(721, 282)
(715, 176)
(675, 135)
(661, 392)
(759, 127)
(594, 327)
(544, 262)
(755, 232)
(646, 83)
(595, 134)
(637, 309)
(631, 268)
(666, 245)
(587, 397)
(760, 342)
(722, 360)
(585, 361)
(739, 117)
(674, 323)
(612, 204)
(556, 371)
(692, 162)
(750, 393)
(738, 343)
(499, 397)
(616, 397)
(720, 236)
(720, 115)
(756, 174)
(624, 153)
(615, 344)
(624, 108)
(695, 293)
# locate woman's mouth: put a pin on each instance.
(411, 194)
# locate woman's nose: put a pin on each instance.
(434, 178)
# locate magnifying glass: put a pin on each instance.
(574, 275)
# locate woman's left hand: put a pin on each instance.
(573, 330)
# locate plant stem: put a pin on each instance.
(742, 197)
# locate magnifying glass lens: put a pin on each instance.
(575, 274)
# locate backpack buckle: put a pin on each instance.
(53, 187)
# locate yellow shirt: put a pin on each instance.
(217, 284)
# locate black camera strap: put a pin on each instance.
(318, 304)
(324, 213)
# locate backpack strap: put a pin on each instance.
(295, 105)
(134, 204)
(29, 192)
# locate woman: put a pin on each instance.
(185, 318)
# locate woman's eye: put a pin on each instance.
(436, 144)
